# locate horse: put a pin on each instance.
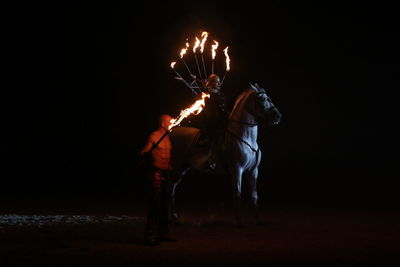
(239, 155)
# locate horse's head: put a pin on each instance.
(263, 108)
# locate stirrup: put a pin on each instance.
(212, 165)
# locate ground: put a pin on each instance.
(289, 235)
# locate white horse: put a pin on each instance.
(239, 155)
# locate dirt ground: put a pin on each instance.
(287, 236)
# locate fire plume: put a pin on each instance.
(195, 109)
(228, 67)
(197, 44)
(213, 49)
(183, 51)
(203, 41)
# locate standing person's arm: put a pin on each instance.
(149, 144)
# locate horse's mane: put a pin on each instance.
(240, 98)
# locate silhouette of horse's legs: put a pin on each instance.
(173, 214)
(252, 180)
(236, 176)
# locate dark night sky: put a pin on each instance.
(83, 85)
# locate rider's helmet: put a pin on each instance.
(213, 83)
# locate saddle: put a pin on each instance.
(191, 145)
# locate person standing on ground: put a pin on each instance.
(160, 184)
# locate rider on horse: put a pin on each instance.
(213, 118)
(214, 113)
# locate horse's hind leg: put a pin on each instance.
(173, 214)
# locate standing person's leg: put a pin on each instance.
(166, 191)
(153, 207)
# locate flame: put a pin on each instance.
(195, 109)
(173, 64)
(203, 41)
(184, 50)
(228, 67)
(196, 45)
(213, 49)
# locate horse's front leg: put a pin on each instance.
(252, 181)
(236, 173)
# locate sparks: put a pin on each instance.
(227, 59)
(203, 41)
(195, 109)
(173, 64)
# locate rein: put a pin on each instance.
(244, 123)
(244, 141)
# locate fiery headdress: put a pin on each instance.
(197, 83)
(198, 106)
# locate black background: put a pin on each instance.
(84, 84)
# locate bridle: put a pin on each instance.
(246, 124)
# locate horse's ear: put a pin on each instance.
(253, 87)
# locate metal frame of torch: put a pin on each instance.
(181, 79)
(222, 81)
(155, 145)
(204, 66)
(190, 73)
(196, 45)
(181, 55)
(197, 63)
(142, 160)
(191, 85)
